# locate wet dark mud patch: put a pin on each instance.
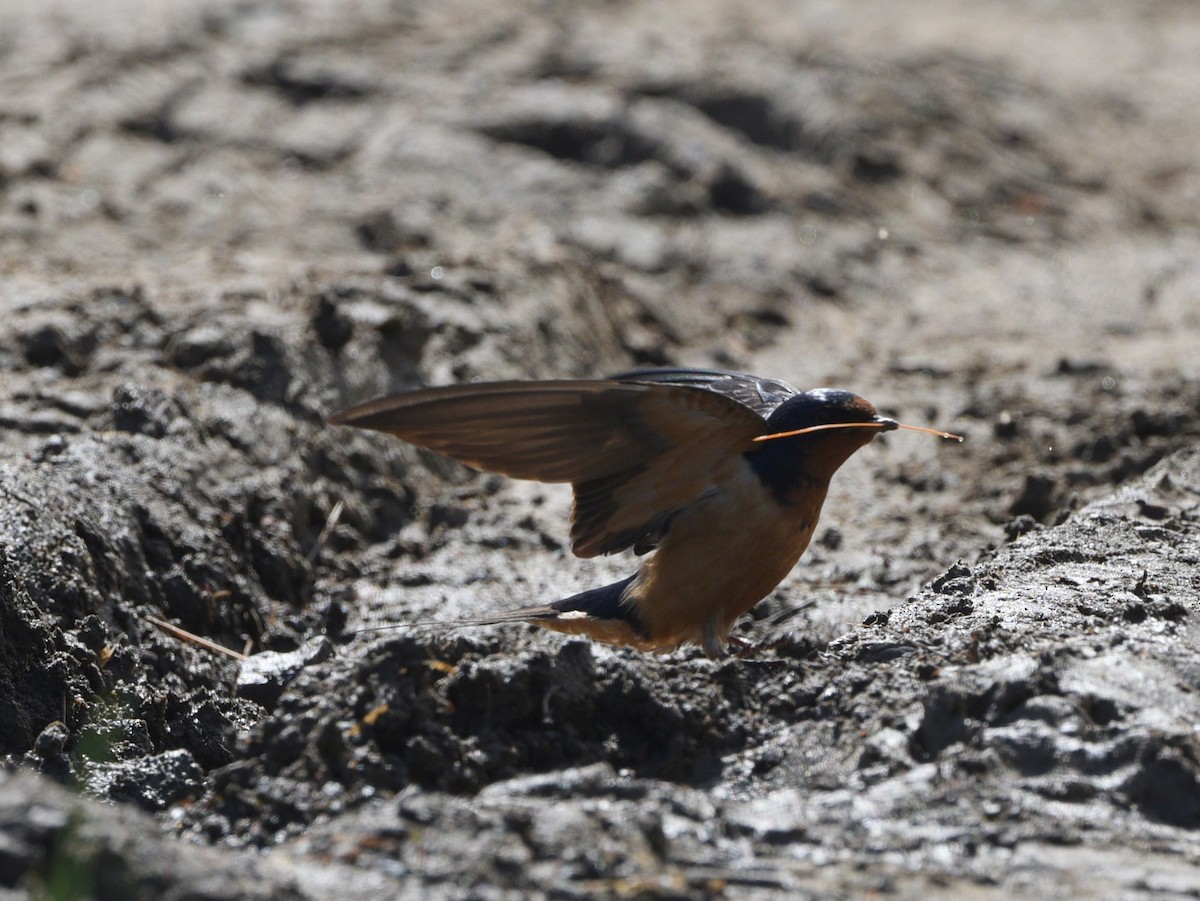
(1022, 676)
(458, 715)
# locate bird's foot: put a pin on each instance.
(740, 649)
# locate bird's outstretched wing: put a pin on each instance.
(637, 448)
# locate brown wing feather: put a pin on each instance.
(546, 431)
(557, 431)
(652, 447)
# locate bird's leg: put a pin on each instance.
(717, 647)
(775, 638)
(712, 641)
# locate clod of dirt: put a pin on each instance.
(263, 677)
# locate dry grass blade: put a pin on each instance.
(201, 641)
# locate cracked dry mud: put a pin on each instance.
(219, 221)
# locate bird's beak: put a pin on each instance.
(886, 425)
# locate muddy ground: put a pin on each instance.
(220, 221)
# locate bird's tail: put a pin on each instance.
(601, 613)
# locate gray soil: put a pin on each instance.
(220, 221)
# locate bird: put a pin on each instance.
(714, 478)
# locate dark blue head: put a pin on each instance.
(821, 407)
(785, 464)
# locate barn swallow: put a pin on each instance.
(718, 476)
